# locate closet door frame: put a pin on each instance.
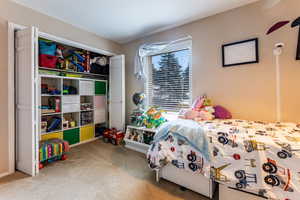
(12, 27)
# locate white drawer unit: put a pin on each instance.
(100, 116)
(74, 99)
(86, 87)
(71, 107)
(192, 181)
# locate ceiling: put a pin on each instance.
(126, 20)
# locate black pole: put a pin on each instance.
(298, 47)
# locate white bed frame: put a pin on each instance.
(196, 183)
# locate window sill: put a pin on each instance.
(171, 116)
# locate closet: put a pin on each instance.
(72, 101)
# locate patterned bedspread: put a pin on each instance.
(253, 156)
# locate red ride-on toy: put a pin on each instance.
(113, 136)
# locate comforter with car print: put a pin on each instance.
(254, 156)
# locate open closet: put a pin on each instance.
(64, 90)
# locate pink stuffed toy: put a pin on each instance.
(198, 103)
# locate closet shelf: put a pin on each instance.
(72, 72)
(50, 95)
(49, 114)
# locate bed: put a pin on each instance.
(252, 156)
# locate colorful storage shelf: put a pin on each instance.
(87, 133)
(100, 88)
(58, 135)
(72, 136)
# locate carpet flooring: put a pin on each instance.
(94, 171)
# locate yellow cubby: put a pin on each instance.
(58, 135)
(87, 133)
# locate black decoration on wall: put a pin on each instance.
(240, 53)
(294, 24)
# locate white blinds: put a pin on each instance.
(169, 80)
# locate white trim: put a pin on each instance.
(178, 45)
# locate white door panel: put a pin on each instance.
(26, 101)
(117, 92)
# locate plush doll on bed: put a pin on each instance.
(202, 109)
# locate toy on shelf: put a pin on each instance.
(53, 123)
(44, 125)
(46, 89)
(53, 106)
(113, 136)
(52, 150)
(69, 122)
(68, 89)
(60, 57)
(77, 58)
(86, 117)
(86, 106)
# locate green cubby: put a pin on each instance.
(72, 136)
(100, 88)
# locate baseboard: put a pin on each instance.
(84, 142)
(5, 174)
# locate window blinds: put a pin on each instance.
(169, 80)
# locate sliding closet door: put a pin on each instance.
(117, 92)
(26, 101)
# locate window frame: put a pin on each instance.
(178, 46)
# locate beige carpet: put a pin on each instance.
(94, 171)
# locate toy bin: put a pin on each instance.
(72, 136)
(71, 99)
(100, 116)
(100, 88)
(87, 88)
(47, 48)
(47, 61)
(87, 133)
(58, 135)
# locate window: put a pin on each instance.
(169, 80)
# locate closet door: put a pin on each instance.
(26, 101)
(117, 92)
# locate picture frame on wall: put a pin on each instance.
(240, 53)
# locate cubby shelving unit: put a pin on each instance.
(42, 101)
(72, 113)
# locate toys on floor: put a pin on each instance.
(113, 136)
(52, 150)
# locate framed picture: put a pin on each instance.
(240, 53)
